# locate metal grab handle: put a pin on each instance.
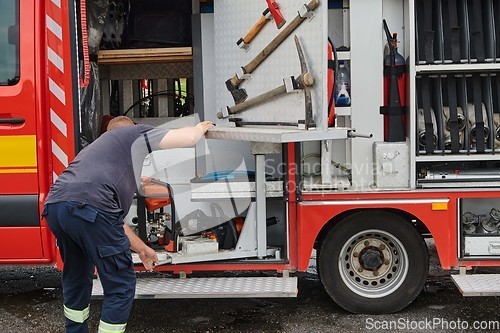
(12, 121)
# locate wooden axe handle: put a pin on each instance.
(265, 97)
(255, 30)
(278, 39)
(235, 81)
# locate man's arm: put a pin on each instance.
(177, 138)
(185, 137)
(148, 255)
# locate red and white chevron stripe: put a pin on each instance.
(60, 84)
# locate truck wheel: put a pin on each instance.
(373, 262)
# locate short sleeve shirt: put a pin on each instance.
(105, 173)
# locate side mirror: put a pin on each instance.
(13, 35)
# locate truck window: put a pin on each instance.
(9, 42)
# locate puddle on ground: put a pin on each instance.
(34, 297)
(253, 318)
(25, 305)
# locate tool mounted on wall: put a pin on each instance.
(272, 12)
(394, 91)
(240, 95)
(303, 82)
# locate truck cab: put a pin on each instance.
(23, 167)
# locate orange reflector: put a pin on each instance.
(439, 206)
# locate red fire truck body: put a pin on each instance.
(355, 233)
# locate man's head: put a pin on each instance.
(119, 122)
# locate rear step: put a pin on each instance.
(478, 284)
(233, 287)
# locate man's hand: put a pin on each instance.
(146, 254)
(204, 126)
(148, 257)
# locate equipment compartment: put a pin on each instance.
(479, 227)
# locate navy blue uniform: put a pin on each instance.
(85, 210)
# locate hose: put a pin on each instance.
(316, 155)
(171, 93)
(84, 83)
(213, 207)
(308, 174)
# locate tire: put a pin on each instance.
(373, 262)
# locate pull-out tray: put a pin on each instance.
(276, 134)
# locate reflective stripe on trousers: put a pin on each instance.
(78, 316)
(111, 328)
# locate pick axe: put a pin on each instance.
(240, 95)
(303, 82)
(272, 12)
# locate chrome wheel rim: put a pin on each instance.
(373, 263)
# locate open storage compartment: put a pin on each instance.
(479, 223)
(457, 126)
(457, 113)
(457, 31)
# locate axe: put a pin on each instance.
(272, 12)
(304, 81)
(232, 84)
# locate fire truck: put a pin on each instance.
(410, 154)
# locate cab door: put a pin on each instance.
(20, 236)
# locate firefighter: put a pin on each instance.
(85, 209)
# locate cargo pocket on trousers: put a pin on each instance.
(82, 211)
(116, 257)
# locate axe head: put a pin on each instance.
(274, 8)
(239, 95)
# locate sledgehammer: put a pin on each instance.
(232, 84)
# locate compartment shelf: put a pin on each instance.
(483, 67)
(140, 56)
(457, 158)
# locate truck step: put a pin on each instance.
(230, 287)
(478, 284)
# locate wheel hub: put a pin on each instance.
(371, 259)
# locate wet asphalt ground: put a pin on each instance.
(31, 301)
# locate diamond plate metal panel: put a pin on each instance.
(265, 148)
(147, 71)
(272, 135)
(478, 284)
(210, 287)
(233, 18)
(391, 167)
(276, 134)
